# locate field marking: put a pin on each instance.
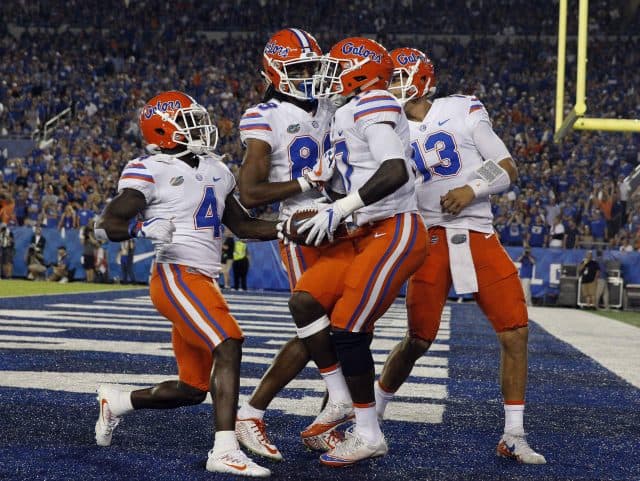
(613, 344)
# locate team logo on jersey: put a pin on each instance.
(361, 51)
(176, 181)
(293, 128)
(423, 128)
(198, 177)
(314, 124)
(459, 239)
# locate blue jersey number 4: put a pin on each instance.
(206, 216)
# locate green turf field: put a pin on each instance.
(18, 288)
(628, 317)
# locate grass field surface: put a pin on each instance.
(629, 317)
(19, 288)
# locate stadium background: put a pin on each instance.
(102, 59)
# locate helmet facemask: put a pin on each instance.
(328, 82)
(403, 88)
(296, 76)
(194, 129)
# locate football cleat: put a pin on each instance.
(235, 462)
(324, 441)
(515, 446)
(353, 449)
(252, 434)
(107, 422)
(332, 416)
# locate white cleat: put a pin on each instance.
(107, 422)
(353, 449)
(252, 435)
(235, 462)
(320, 435)
(515, 446)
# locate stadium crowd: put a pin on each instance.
(568, 195)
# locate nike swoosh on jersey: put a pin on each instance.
(379, 234)
(216, 179)
(443, 122)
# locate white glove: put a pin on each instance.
(323, 169)
(324, 223)
(280, 228)
(156, 228)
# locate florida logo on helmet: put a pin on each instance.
(273, 48)
(404, 59)
(361, 51)
(161, 107)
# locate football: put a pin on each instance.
(298, 218)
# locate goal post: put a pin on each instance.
(576, 119)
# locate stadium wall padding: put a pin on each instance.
(267, 272)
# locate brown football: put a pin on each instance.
(298, 218)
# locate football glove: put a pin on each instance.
(156, 228)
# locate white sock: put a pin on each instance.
(367, 424)
(514, 418)
(336, 384)
(225, 441)
(382, 398)
(120, 403)
(247, 411)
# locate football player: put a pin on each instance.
(460, 163)
(180, 197)
(333, 301)
(285, 137)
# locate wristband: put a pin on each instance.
(350, 203)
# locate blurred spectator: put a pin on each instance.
(127, 250)
(36, 267)
(102, 264)
(7, 251)
(602, 289)
(61, 267)
(557, 234)
(227, 257)
(588, 272)
(527, 263)
(38, 240)
(89, 246)
(538, 233)
(240, 265)
(571, 235)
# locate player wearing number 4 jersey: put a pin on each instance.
(179, 198)
(285, 137)
(460, 162)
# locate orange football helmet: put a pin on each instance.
(174, 118)
(413, 75)
(291, 59)
(354, 65)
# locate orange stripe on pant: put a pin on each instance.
(499, 293)
(199, 315)
(297, 259)
(384, 260)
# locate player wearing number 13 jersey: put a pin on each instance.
(179, 198)
(460, 161)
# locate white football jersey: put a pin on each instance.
(193, 197)
(297, 139)
(446, 157)
(354, 160)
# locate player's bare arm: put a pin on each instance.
(389, 177)
(119, 212)
(243, 225)
(253, 181)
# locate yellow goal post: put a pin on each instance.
(576, 119)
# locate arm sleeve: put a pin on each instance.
(257, 124)
(137, 176)
(488, 143)
(384, 142)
